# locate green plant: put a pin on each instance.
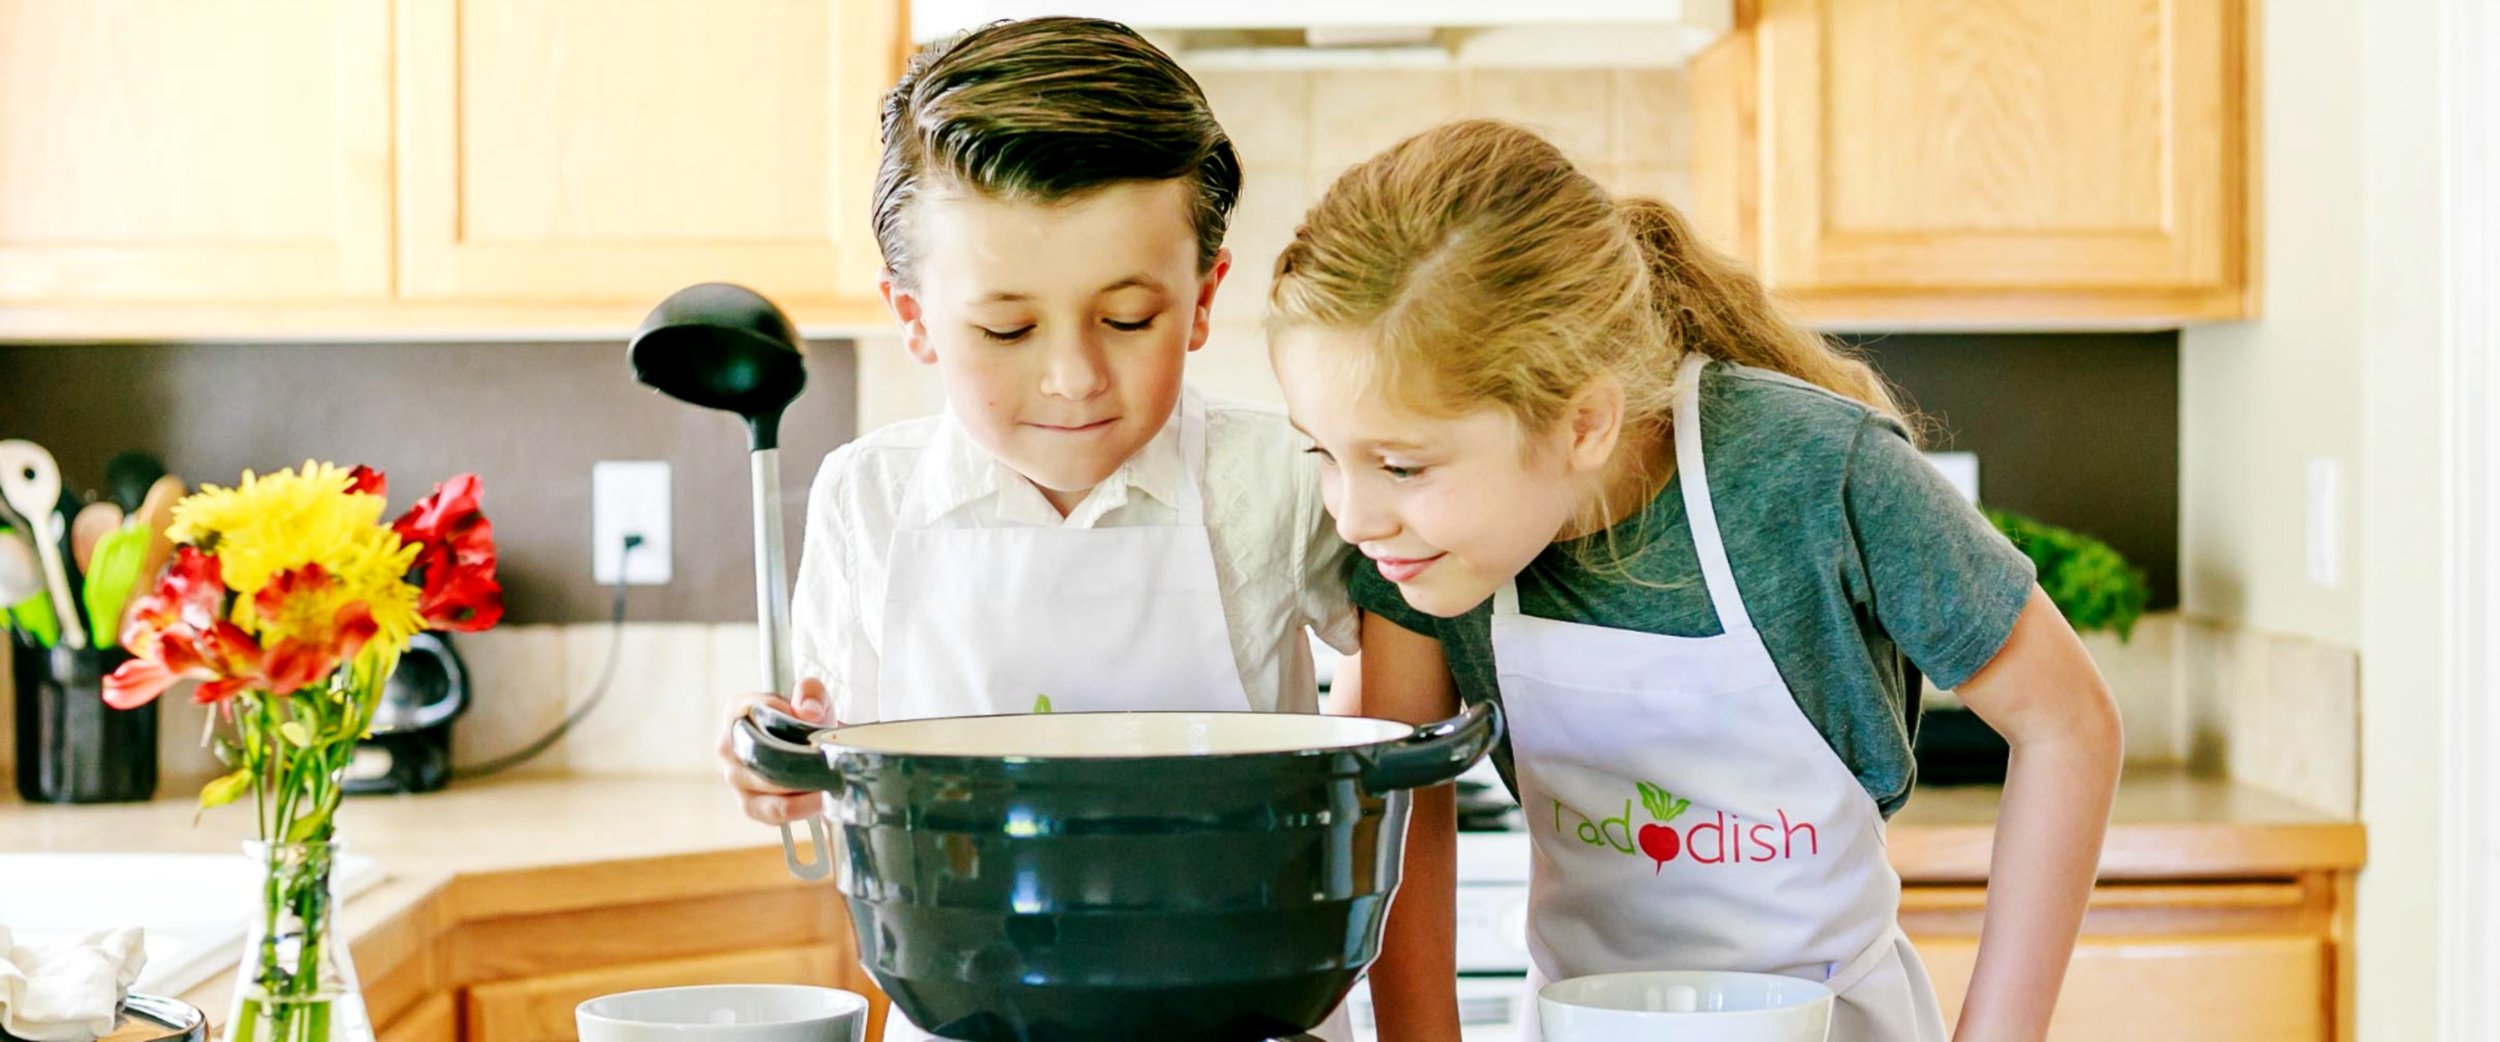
(2094, 587)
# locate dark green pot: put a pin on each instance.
(1107, 884)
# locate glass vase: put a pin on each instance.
(296, 982)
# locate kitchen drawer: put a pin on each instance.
(2206, 988)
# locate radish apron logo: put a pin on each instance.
(1721, 839)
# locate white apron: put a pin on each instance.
(1686, 815)
(990, 620)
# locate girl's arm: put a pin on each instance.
(2042, 693)
(1415, 980)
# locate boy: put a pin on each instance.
(1051, 207)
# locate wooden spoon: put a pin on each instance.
(156, 512)
(93, 523)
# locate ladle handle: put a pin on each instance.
(1435, 753)
(772, 572)
(772, 615)
(775, 746)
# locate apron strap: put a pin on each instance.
(1506, 599)
(1190, 503)
(1846, 975)
(1715, 572)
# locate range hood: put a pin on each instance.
(1341, 33)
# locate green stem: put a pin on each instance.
(246, 1026)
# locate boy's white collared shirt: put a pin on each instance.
(1278, 561)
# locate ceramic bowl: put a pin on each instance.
(725, 1013)
(1685, 1006)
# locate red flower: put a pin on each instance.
(455, 570)
(166, 630)
(178, 632)
(191, 596)
(366, 480)
(306, 630)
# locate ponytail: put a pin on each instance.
(1709, 303)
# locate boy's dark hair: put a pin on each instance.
(1043, 110)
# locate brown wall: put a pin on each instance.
(528, 418)
(2079, 430)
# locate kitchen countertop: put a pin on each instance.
(496, 837)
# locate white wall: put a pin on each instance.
(2400, 520)
(2258, 400)
(2342, 365)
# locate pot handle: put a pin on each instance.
(1435, 753)
(776, 746)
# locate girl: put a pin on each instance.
(1692, 551)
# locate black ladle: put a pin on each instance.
(726, 347)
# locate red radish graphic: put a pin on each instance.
(1661, 844)
(1658, 840)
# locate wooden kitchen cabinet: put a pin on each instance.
(2224, 961)
(180, 169)
(505, 956)
(2015, 162)
(194, 151)
(569, 152)
(540, 1009)
(434, 1019)
(2215, 989)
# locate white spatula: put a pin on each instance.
(31, 482)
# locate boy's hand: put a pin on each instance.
(763, 800)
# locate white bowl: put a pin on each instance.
(1684, 1006)
(725, 1013)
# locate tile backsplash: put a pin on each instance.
(2276, 712)
(1296, 130)
(671, 688)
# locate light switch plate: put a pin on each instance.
(630, 497)
(2325, 528)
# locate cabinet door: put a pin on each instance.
(2089, 155)
(540, 1009)
(582, 151)
(194, 151)
(2192, 988)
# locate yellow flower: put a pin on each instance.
(271, 523)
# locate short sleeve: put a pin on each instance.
(825, 639)
(1943, 583)
(1325, 602)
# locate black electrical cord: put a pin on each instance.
(607, 673)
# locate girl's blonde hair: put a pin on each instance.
(1481, 267)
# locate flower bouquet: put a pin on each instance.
(289, 599)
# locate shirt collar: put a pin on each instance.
(957, 472)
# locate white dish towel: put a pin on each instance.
(67, 990)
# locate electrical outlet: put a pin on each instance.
(2325, 528)
(629, 497)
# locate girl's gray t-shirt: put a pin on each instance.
(1856, 560)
